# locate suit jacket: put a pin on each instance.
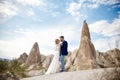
(63, 48)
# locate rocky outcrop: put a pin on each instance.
(107, 59)
(70, 59)
(34, 55)
(9, 76)
(35, 72)
(86, 55)
(23, 58)
(43, 57)
(73, 58)
(47, 61)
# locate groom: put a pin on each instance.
(63, 52)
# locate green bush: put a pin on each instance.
(13, 67)
(3, 66)
(16, 69)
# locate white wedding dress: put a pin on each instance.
(55, 65)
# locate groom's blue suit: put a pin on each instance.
(63, 53)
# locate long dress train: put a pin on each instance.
(55, 65)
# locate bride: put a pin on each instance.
(54, 66)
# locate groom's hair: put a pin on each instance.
(61, 36)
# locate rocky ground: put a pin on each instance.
(95, 74)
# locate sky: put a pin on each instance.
(24, 22)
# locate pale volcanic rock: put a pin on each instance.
(109, 58)
(86, 55)
(34, 55)
(23, 58)
(47, 61)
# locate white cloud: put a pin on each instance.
(101, 44)
(55, 14)
(30, 13)
(97, 3)
(11, 49)
(105, 28)
(32, 2)
(74, 8)
(7, 9)
(110, 31)
(104, 44)
(44, 37)
(110, 2)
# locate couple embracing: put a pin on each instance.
(61, 52)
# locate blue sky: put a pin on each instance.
(23, 22)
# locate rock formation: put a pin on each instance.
(47, 61)
(69, 61)
(86, 55)
(34, 55)
(43, 57)
(107, 59)
(35, 73)
(23, 58)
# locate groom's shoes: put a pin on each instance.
(61, 70)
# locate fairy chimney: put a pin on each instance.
(86, 55)
(34, 55)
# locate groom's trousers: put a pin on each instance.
(62, 62)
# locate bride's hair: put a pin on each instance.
(57, 41)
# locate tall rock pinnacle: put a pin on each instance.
(85, 30)
(34, 55)
(86, 53)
